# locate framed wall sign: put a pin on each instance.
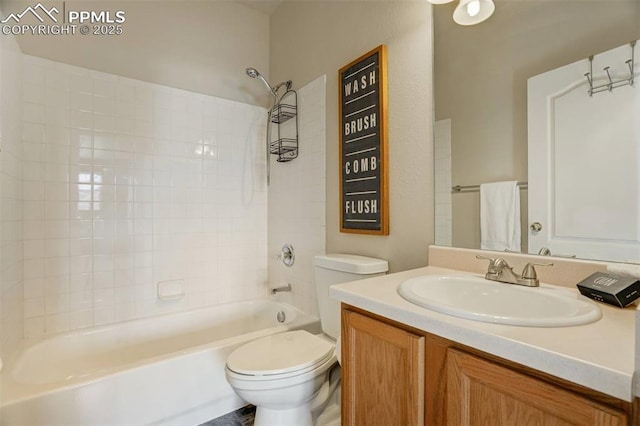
(364, 205)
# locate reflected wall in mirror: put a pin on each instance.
(481, 75)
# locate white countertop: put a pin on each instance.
(599, 356)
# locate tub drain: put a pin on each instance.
(281, 317)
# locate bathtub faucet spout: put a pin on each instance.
(280, 289)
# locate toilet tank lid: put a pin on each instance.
(351, 263)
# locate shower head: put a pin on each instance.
(253, 73)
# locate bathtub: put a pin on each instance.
(167, 369)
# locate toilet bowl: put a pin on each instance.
(282, 375)
(291, 377)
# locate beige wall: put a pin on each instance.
(481, 77)
(309, 39)
(201, 46)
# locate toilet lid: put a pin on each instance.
(280, 354)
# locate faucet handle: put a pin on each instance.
(286, 255)
(490, 259)
(493, 262)
(529, 272)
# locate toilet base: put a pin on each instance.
(295, 416)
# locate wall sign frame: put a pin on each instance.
(364, 165)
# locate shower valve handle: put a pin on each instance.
(287, 255)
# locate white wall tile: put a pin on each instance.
(80, 319)
(120, 178)
(443, 213)
(299, 186)
(34, 327)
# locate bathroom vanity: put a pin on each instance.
(425, 379)
(405, 364)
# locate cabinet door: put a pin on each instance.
(480, 392)
(382, 373)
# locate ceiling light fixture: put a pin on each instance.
(470, 12)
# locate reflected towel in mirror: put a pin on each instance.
(626, 270)
(500, 216)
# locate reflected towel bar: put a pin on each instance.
(475, 188)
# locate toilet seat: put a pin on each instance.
(279, 356)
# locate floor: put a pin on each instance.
(241, 417)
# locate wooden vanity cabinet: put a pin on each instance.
(481, 392)
(396, 375)
(384, 381)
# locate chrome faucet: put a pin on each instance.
(280, 289)
(499, 270)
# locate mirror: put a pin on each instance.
(480, 84)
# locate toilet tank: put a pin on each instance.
(333, 269)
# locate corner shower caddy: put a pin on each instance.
(286, 148)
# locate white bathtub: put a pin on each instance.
(161, 370)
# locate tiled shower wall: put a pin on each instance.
(11, 281)
(297, 200)
(442, 141)
(127, 184)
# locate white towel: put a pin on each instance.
(624, 269)
(500, 216)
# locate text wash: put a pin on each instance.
(359, 84)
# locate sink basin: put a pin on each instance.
(478, 299)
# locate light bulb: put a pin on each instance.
(471, 12)
(473, 8)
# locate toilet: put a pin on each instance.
(291, 377)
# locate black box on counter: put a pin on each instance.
(616, 290)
